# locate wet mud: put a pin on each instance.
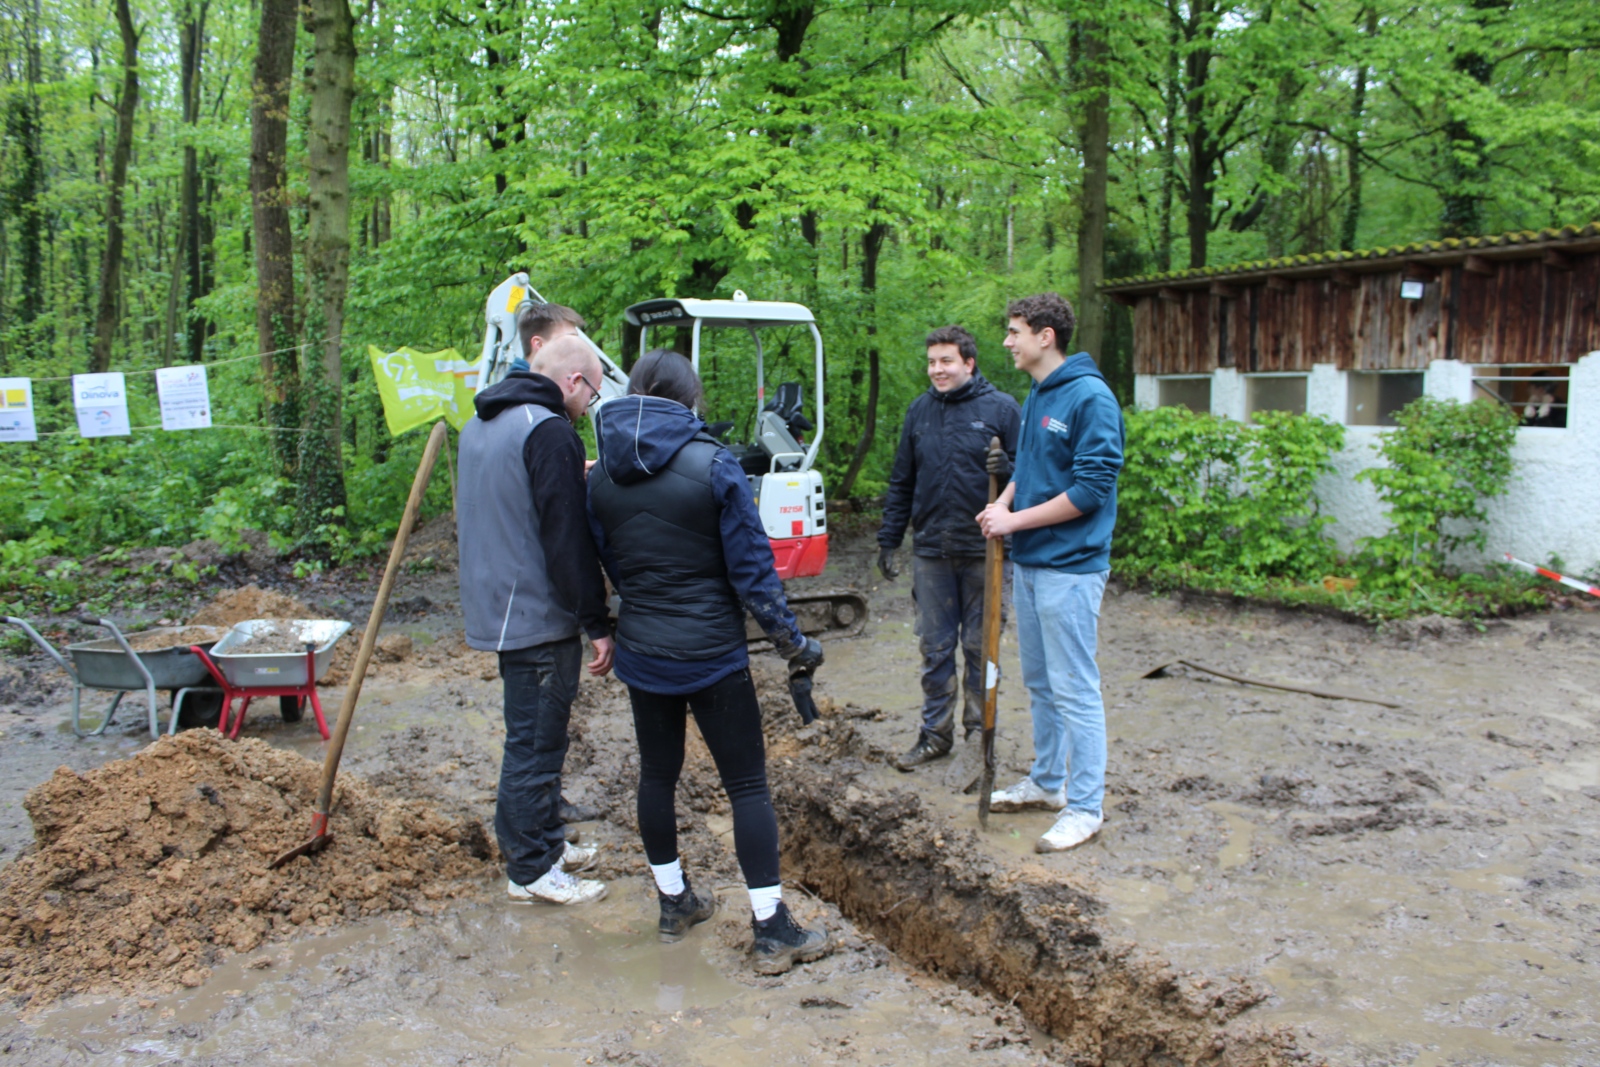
(1281, 878)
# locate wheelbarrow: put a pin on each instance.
(290, 676)
(112, 664)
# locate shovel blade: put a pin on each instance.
(305, 848)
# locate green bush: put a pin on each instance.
(1205, 494)
(1443, 459)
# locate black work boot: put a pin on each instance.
(926, 750)
(680, 912)
(781, 942)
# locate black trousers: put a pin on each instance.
(539, 685)
(729, 717)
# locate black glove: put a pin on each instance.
(806, 656)
(886, 565)
(997, 463)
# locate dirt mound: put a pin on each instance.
(251, 602)
(149, 870)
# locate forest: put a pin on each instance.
(269, 188)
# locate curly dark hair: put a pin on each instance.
(1046, 309)
(955, 335)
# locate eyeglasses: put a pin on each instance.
(594, 390)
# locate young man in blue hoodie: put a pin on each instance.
(1059, 511)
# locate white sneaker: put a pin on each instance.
(1027, 794)
(556, 886)
(575, 859)
(1070, 831)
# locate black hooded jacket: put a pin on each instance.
(939, 482)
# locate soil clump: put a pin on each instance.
(148, 871)
(234, 606)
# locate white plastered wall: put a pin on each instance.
(1551, 508)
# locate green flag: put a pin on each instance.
(419, 387)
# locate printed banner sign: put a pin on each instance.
(185, 398)
(418, 387)
(16, 410)
(101, 401)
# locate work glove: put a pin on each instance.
(886, 565)
(804, 656)
(997, 463)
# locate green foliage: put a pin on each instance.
(1217, 506)
(1202, 494)
(1440, 463)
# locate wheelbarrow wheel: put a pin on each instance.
(291, 708)
(200, 710)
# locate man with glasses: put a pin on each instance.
(530, 580)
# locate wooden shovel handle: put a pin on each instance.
(369, 640)
(993, 583)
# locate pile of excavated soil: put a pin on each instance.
(148, 871)
(251, 602)
(280, 636)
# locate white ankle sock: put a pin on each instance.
(764, 901)
(669, 877)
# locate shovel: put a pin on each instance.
(994, 555)
(320, 837)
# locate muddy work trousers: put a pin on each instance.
(949, 597)
(729, 718)
(539, 684)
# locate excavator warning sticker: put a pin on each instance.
(514, 299)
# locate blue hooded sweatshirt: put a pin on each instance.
(1071, 442)
(637, 436)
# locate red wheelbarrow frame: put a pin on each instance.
(230, 692)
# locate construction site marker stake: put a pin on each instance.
(1575, 583)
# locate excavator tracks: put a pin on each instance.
(840, 613)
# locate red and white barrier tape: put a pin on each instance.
(1576, 583)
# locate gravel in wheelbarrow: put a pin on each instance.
(269, 653)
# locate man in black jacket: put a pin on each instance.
(939, 476)
(530, 581)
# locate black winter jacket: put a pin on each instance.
(939, 482)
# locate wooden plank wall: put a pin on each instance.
(1525, 312)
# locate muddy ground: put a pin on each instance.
(1280, 878)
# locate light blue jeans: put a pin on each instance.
(1058, 616)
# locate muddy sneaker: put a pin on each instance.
(781, 942)
(556, 886)
(1027, 794)
(1070, 831)
(680, 912)
(575, 860)
(926, 750)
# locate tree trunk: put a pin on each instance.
(1466, 163)
(1352, 170)
(871, 245)
(106, 318)
(274, 249)
(1172, 95)
(333, 64)
(23, 198)
(191, 42)
(1094, 138)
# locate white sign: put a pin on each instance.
(101, 401)
(1410, 290)
(16, 410)
(185, 398)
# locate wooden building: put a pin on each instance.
(1352, 337)
(1519, 309)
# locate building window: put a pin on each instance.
(1536, 392)
(1275, 392)
(1190, 391)
(1375, 396)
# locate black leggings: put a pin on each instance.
(729, 717)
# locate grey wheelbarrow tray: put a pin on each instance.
(263, 669)
(111, 663)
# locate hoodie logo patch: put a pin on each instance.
(1053, 425)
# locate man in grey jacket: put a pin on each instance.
(530, 580)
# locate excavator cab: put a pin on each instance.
(779, 459)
